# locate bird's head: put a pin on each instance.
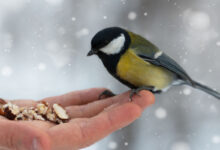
(110, 41)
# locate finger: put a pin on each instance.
(14, 135)
(24, 103)
(107, 122)
(93, 108)
(89, 110)
(42, 125)
(76, 97)
(143, 99)
(83, 132)
(3, 118)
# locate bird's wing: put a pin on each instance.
(165, 61)
(150, 53)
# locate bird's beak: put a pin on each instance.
(92, 52)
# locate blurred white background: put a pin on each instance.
(43, 47)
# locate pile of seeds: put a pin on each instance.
(42, 111)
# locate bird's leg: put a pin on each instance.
(136, 91)
(106, 94)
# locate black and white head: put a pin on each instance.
(110, 41)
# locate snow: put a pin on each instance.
(105, 17)
(6, 71)
(112, 145)
(54, 2)
(73, 18)
(52, 45)
(218, 43)
(7, 40)
(210, 70)
(12, 5)
(123, 1)
(27, 60)
(132, 15)
(199, 20)
(180, 146)
(184, 61)
(126, 143)
(216, 139)
(61, 30)
(42, 66)
(187, 91)
(213, 108)
(59, 57)
(92, 147)
(82, 32)
(161, 113)
(7, 50)
(199, 31)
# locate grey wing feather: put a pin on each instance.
(168, 63)
(147, 50)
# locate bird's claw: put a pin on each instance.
(134, 92)
(106, 94)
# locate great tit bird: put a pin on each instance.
(138, 63)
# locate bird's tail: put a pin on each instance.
(206, 89)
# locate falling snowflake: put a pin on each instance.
(58, 56)
(61, 30)
(199, 33)
(132, 15)
(73, 18)
(7, 50)
(184, 61)
(82, 32)
(197, 20)
(187, 91)
(218, 43)
(126, 143)
(213, 108)
(112, 145)
(180, 146)
(145, 13)
(104, 17)
(6, 71)
(123, 1)
(7, 41)
(216, 139)
(54, 2)
(11, 5)
(42, 66)
(160, 113)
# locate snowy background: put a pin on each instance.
(43, 47)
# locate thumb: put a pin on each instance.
(14, 135)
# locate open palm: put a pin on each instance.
(91, 120)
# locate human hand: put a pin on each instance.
(91, 120)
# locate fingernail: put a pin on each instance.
(36, 145)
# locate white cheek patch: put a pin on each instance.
(114, 46)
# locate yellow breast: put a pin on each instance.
(138, 72)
